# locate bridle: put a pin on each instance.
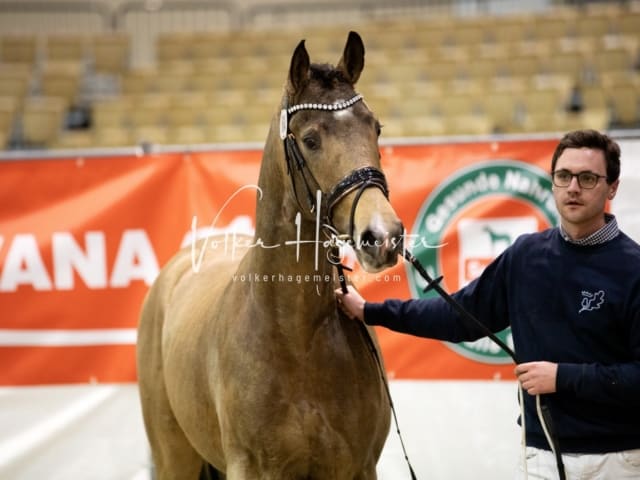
(359, 179)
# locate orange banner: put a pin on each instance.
(81, 239)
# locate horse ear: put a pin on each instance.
(352, 61)
(299, 69)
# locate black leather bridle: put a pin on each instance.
(359, 179)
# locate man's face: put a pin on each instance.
(582, 209)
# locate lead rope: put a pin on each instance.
(374, 353)
(542, 409)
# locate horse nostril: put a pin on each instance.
(381, 242)
(375, 240)
(368, 239)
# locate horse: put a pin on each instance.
(265, 378)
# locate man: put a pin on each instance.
(571, 295)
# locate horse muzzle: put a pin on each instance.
(379, 245)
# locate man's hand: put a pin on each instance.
(352, 303)
(537, 377)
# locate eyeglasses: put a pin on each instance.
(588, 180)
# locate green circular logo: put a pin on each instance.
(467, 221)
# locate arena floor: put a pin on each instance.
(72, 432)
(452, 431)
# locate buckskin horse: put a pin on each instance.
(265, 379)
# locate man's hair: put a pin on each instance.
(595, 140)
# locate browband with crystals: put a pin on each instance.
(285, 112)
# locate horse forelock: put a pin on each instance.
(326, 84)
(327, 75)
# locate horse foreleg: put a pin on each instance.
(173, 456)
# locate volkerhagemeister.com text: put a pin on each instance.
(315, 278)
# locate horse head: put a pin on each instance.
(330, 142)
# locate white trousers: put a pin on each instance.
(541, 465)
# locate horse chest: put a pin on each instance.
(309, 387)
(303, 442)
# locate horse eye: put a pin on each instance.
(311, 142)
(378, 129)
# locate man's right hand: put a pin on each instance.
(352, 303)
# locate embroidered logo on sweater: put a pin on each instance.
(591, 301)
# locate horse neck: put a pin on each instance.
(288, 251)
(288, 242)
(294, 276)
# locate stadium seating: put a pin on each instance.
(109, 52)
(42, 120)
(472, 75)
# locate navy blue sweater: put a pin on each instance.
(578, 306)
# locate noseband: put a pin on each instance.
(359, 179)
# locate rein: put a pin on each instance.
(376, 356)
(434, 284)
(360, 179)
(545, 413)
